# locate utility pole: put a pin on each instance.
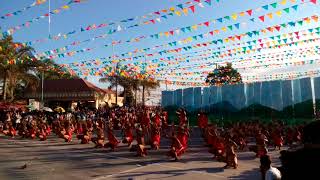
(42, 85)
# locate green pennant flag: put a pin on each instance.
(170, 44)
(283, 25)
(279, 41)
(279, 36)
(287, 10)
(300, 23)
(227, 17)
(250, 47)
(318, 28)
(189, 28)
(254, 41)
(230, 27)
(318, 33)
(171, 14)
(274, 5)
(244, 49)
(272, 37)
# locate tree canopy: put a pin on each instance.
(224, 75)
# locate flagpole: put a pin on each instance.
(49, 20)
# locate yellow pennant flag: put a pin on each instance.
(56, 11)
(194, 27)
(283, 2)
(171, 9)
(178, 13)
(279, 13)
(234, 16)
(65, 7)
(224, 29)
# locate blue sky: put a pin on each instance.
(102, 11)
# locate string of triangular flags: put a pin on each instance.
(20, 11)
(115, 26)
(167, 33)
(12, 30)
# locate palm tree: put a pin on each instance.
(146, 86)
(15, 63)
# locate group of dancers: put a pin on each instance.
(142, 129)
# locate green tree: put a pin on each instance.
(16, 65)
(224, 75)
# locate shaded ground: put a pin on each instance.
(55, 159)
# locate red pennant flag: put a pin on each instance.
(204, 44)
(261, 18)
(313, 1)
(171, 32)
(238, 37)
(249, 12)
(297, 33)
(152, 20)
(277, 28)
(206, 23)
(261, 45)
(270, 29)
(198, 1)
(192, 8)
(260, 40)
(157, 12)
(211, 32)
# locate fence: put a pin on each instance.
(274, 94)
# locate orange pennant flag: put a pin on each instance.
(270, 15)
(38, 2)
(185, 11)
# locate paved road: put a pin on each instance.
(55, 159)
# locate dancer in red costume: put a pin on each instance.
(85, 136)
(42, 133)
(231, 156)
(202, 121)
(128, 135)
(179, 143)
(68, 132)
(140, 148)
(99, 141)
(112, 140)
(155, 137)
(277, 138)
(182, 117)
(164, 119)
(261, 141)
